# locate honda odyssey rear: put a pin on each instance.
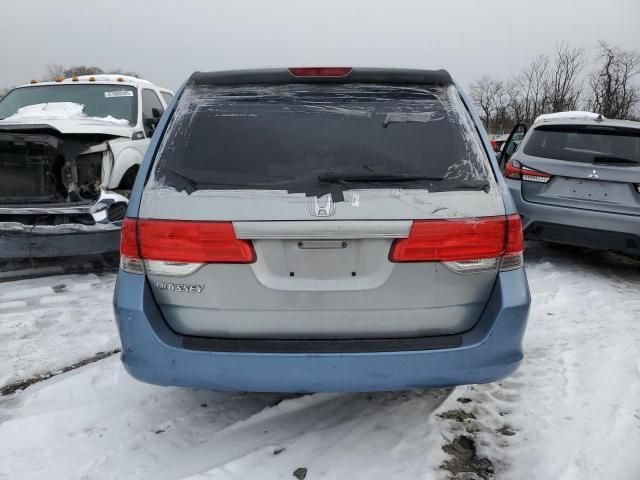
(321, 229)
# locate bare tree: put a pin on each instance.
(546, 85)
(532, 87)
(564, 83)
(55, 70)
(491, 98)
(126, 72)
(613, 91)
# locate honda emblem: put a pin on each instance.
(322, 207)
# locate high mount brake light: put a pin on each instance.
(173, 247)
(515, 170)
(320, 71)
(465, 246)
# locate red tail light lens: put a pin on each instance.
(194, 242)
(467, 240)
(513, 257)
(515, 237)
(514, 169)
(129, 238)
(451, 240)
(320, 71)
(174, 242)
(130, 259)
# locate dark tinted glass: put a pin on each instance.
(585, 144)
(285, 136)
(150, 101)
(99, 100)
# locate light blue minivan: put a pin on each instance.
(321, 229)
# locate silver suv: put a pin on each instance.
(321, 229)
(576, 180)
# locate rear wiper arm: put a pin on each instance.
(374, 178)
(615, 160)
(465, 185)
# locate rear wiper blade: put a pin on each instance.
(463, 185)
(374, 178)
(615, 160)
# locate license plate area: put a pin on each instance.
(589, 190)
(301, 264)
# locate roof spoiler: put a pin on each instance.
(277, 76)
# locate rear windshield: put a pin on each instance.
(311, 137)
(586, 144)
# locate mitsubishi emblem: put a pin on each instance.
(322, 207)
(594, 175)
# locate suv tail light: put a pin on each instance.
(470, 245)
(494, 143)
(320, 71)
(514, 169)
(174, 247)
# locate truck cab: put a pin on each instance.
(70, 150)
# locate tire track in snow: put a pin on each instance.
(568, 412)
(22, 384)
(48, 324)
(97, 422)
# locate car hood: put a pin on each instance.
(69, 126)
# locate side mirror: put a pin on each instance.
(150, 124)
(156, 113)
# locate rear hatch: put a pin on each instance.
(310, 184)
(588, 166)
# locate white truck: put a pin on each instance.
(69, 154)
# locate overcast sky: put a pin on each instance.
(167, 40)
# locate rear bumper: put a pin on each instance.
(572, 226)
(153, 353)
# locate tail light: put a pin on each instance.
(172, 247)
(514, 169)
(130, 258)
(320, 71)
(465, 246)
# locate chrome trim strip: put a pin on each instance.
(318, 229)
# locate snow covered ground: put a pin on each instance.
(572, 411)
(53, 322)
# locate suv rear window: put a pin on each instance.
(585, 144)
(284, 137)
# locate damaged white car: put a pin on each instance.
(69, 154)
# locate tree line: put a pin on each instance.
(566, 80)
